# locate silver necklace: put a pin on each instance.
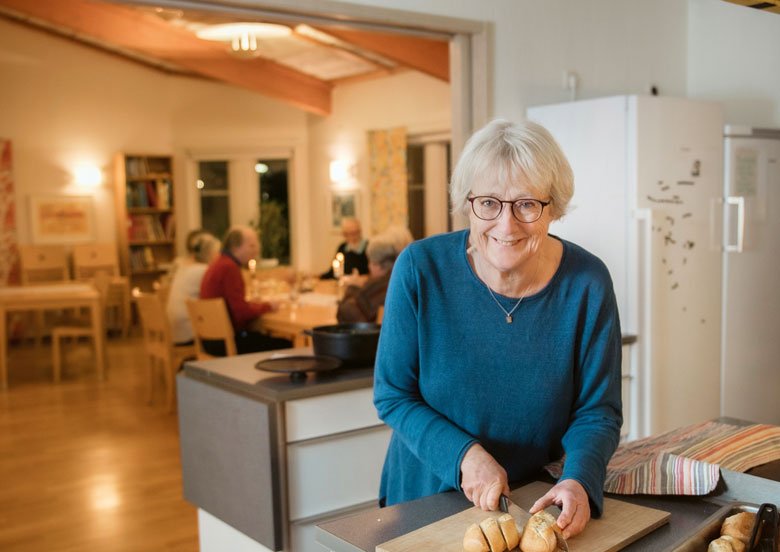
(508, 313)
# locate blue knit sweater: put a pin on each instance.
(450, 372)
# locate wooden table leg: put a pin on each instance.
(99, 334)
(3, 352)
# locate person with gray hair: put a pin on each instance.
(361, 302)
(500, 348)
(223, 279)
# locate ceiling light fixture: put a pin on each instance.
(243, 37)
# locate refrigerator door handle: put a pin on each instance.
(739, 201)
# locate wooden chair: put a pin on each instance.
(380, 313)
(91, 258)
(41, 264)
(210, 320)
(78, 328)
(162, 352)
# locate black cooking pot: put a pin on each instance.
(354, 344)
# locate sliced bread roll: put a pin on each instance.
(508, 528)
(739, 525)
(493, 535)
(726, 543)
(474, 540)
(539, 535)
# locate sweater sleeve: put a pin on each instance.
(596, 416)
(242, 312)
(429, 436)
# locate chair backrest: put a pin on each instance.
(210, 320)
(43, 263)
(89, 258)
(154, 324)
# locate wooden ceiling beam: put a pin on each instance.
(150, 35)
(431, 57)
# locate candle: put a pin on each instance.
(340, 257)
(338, 270)
(252, 266)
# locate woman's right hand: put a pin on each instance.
(482, 478)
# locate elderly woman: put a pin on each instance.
(500, 345)
(361, 302)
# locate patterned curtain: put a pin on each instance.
(387, 172)
(9, 253)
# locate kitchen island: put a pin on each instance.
(265, 458)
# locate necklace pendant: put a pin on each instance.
(508, 319)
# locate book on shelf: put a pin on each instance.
(145, 228)
(164, 194)
(170, 227)
(151, 194)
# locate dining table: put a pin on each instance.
(51, 296)
(296, 314)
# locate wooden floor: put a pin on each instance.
(86, 465)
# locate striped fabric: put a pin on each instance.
(686, 461)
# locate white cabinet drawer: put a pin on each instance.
(328, 414)
(332, 473)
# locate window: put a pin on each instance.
(214, 196)
(274, 221)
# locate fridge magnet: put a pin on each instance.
(62, 219)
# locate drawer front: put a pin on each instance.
(333, 473)
(303, 535)
(328, 414)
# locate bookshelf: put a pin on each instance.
(146, 218)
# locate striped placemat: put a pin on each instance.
(686, 461)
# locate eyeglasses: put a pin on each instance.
(524, 210)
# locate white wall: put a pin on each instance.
(733, 58)
(413, 100)
(614, 46)
(62, 105)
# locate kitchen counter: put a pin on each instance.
(264, 457)
(363, 532)
(239, 373)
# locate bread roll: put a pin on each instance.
(726, 543)
(739, 525)
(493, 535)
(509, 530)
(539, 535)
(474, 540)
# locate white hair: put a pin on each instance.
(507, 152)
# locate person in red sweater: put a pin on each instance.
(223, 279)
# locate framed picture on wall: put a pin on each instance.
(62, 219)
(343, 204)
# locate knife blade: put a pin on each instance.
(503, 503)
(561, 542)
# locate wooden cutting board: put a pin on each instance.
(621, 524)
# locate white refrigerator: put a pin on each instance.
(648, 186)
(750, 347)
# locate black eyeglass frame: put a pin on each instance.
(501, 208)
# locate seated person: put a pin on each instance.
(353, 248)
(361, 302)
(186, 283)
(190, 242)
(223, 279)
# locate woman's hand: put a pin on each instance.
(569, 494)
(482, 478)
